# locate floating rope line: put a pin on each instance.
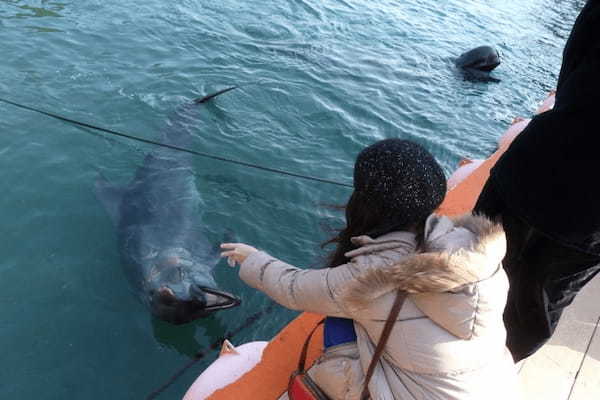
(216, 344)
(168, 146)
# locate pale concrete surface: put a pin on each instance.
(587, 383)
(568, 367)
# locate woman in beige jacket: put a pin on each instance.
(449, 339)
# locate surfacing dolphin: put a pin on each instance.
(164, 250)
(476, 64)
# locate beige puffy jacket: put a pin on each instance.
(449, 340)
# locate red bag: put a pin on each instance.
(301, 386)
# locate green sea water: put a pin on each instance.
(319, 81)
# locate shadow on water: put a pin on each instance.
(23, 12)
(41, 29)
(51, 9)
(183, 338)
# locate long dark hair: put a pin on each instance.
(363, 218)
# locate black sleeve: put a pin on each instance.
(579, 78)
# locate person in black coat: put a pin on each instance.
(545, 190)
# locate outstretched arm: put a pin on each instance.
(295, 288)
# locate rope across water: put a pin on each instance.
(176, 148)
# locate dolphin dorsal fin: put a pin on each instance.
(110, 196)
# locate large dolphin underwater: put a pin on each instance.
(476, 64)
(163, 247)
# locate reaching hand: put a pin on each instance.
(236, 252)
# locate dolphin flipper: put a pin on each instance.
(110, 196)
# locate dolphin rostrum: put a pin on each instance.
(164, 250)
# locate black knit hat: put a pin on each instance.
(402, 177)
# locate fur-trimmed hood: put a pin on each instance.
(458, 252)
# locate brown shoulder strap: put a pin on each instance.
(385, 334)
(304, 352)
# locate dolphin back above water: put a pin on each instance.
(164, 249)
